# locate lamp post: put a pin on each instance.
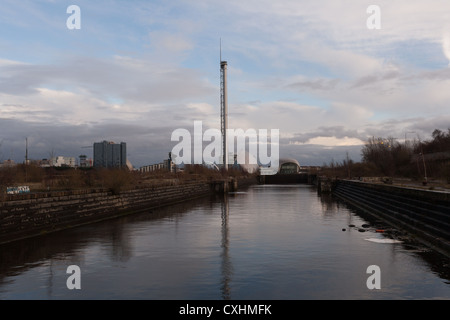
(425, 179)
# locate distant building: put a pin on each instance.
(7, 164)
(44, 163)
(85, 162)
(159, 166)
(61, 161)
(130, 165)
(169, 165)
(152, 167)
(110, 155)
(288, 166)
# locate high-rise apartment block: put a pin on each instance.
(110, 155)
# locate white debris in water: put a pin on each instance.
(383, 240)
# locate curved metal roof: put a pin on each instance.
(287, 160)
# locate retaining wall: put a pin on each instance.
(28, 215)
(423, 213)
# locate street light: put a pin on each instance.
(425, 180)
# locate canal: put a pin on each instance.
(267, 242)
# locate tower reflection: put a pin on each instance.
(226, 266)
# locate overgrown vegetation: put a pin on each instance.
(417, 160)
(114, 179)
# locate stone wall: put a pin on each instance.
(382, 184)
(28, 215)
(424, 213)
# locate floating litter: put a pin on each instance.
(383, 240)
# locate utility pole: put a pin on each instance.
(425, 180)
(26, 159)
(223, 108)
(26, 150)
(1, 154)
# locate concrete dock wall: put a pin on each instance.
(30, 215)
(423, 213)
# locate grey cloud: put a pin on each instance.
(402, 78)
(376, 79)
(441, 74)
(331, 131)
(423, 127)
(126, 79)
(413, 128)
(319, 84)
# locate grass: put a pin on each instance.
(114, 179)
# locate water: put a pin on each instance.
(268, 242)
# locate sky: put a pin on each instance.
(137, 70)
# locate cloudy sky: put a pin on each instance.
(137, 70)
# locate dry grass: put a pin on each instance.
(115, 180)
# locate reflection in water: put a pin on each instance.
(121, 249)
(48, 252)
(227, 268)
(50, 280)
(286, 243)
(436, 262)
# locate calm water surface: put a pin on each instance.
(267, 242)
